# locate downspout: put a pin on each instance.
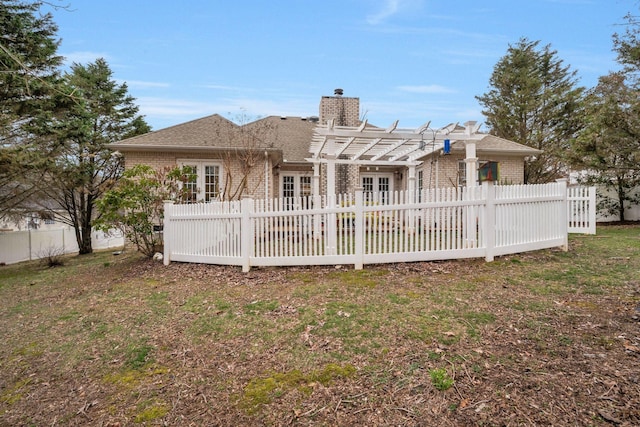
(266, 175)
(437, 171)
(317, 230)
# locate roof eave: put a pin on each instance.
(500, 151)
(123, 148)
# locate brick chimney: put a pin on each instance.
(345, 110)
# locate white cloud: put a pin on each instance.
(426, 89)
(223, 87)
(278, 106)
(173, 108)
(162, 112)
(389, 8)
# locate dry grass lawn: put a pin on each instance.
(543, 338)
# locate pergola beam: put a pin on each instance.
(366, 148)
(405, 152)
(366, 162)
(321, 145)
(373, 144)
(424, 127)
(343, 146)
(427, 149)
(389, 149)
(449, 128)
(346, 133)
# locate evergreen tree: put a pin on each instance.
(28, 60)
(28, 78)
(534, 100)
(608, 147)
(95, 111)
(627, 46)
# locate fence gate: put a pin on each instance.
(582, 209)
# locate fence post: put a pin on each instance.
(489, 191)
(246, 209)
(330, 227)
(317, 219)
(564, 213)
(359, 229)
(470, 233)
(592, 210)
(167, 235)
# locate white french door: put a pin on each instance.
(377, 183)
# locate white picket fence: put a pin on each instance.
(26, 245)
(582, 210)
(362, 228)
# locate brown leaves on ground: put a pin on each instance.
(546, 338)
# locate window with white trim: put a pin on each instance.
(208, 180)
(296, 188)
(462, 173)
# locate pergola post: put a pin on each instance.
(330, 227)
(317, 226)
(331, 175)
(411, 188)
(411, 182)
(472, 163)
(471, 182)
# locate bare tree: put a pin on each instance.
(247, 145)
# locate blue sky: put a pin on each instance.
(407, 60)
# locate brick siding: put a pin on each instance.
(446, 167)
(231, 168)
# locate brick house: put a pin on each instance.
(278, 156)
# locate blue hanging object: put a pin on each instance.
(447, 146)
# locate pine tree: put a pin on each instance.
(93, 112)
(607, 149)
(534, 100)
(28, 79)
(627, 46)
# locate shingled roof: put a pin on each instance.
(491, 144)
(204, 132)
(290, 135)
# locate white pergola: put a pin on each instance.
(366, 145)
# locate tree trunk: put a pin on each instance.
(621, 212)
(84, 244)
(621, 195)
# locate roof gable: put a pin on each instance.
(206, 131)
